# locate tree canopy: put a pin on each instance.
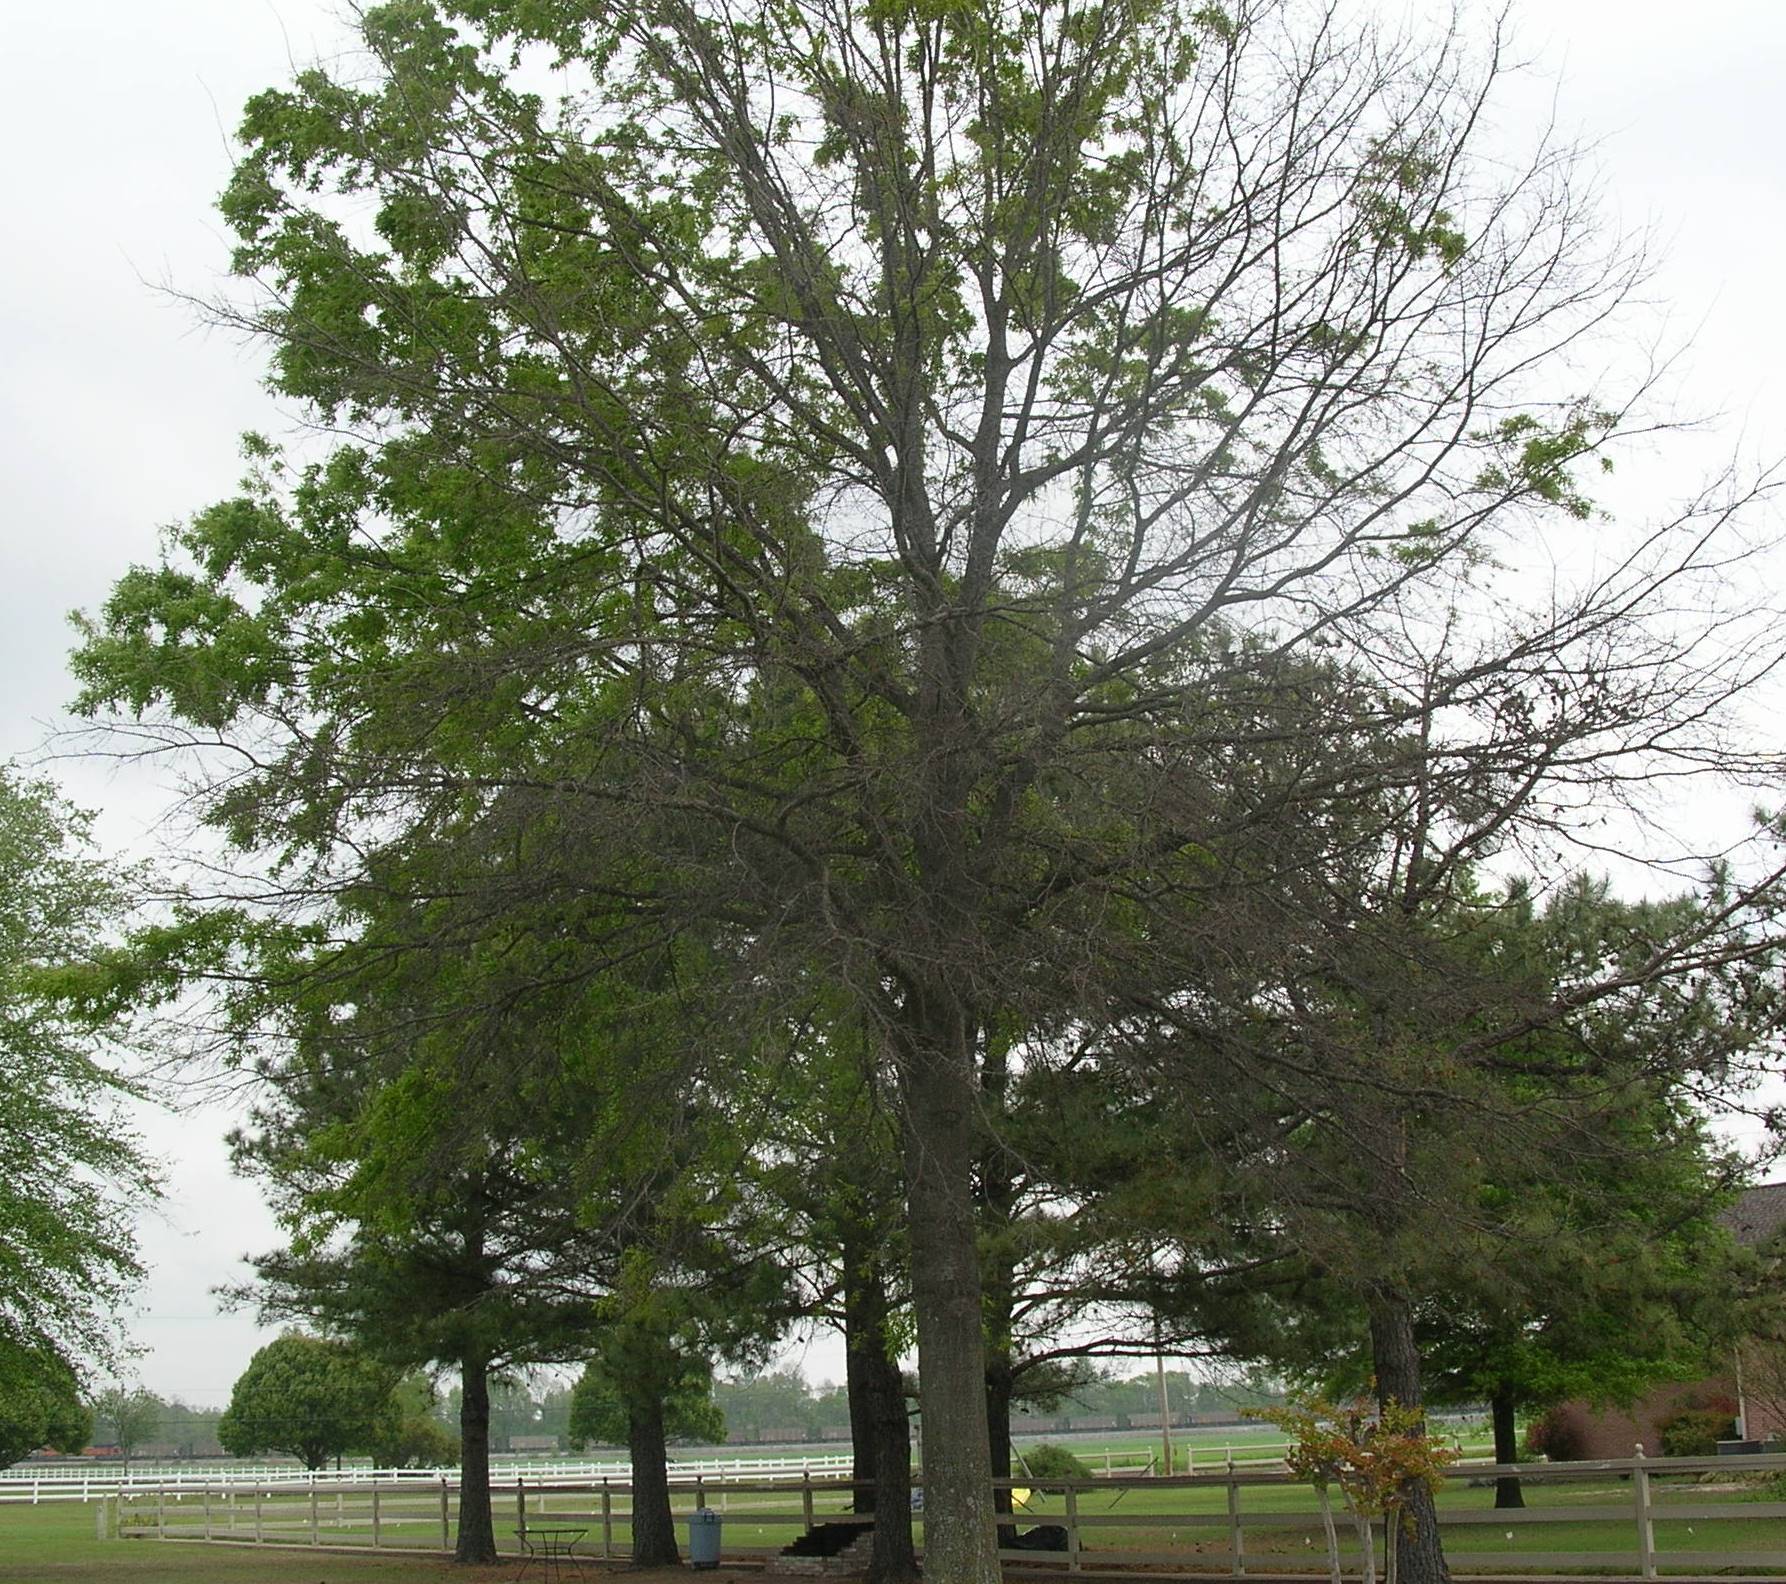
(72, 1172)
(1000, 515)
(40, 1405)
(309, 1397)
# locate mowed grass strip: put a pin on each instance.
(1144, 1521)
(58, 1541)
(57, 1544)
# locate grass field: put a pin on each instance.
(58, 1542)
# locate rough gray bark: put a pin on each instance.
(937, 1091)
(477, 1531)
(880, 1432)
(654, 1527)
(1420, 1558)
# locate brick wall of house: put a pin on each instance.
(1614, 1432)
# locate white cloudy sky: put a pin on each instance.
(118, 414)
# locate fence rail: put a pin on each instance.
(92, 1480)
(35, 1483)
(33, 1486)
(1633, 1516)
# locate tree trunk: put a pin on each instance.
(880, 1433)
(477, 1529)
(894, 1558)
(1420, 1556)
(998, 1275)
(1327, 1528)
(998, 1436)
(936, 1081)
(654, 1527)
(1501, 1406)
(860, 1391)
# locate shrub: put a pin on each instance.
(414, 1443)
(1558, 1436)
(1052, 1463)
(1696, 1432)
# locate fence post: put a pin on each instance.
(521, 1510)
(376, 1541)
(315, 1533)
(806, 1495)
(161, 1512)
(1646, 1528)
(1073, 1528)
(258, 1536)
(205, 1497)
(1236, 1540)
(700, 1492)
(607, 1520)
(446, 1531)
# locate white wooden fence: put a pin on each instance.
(95, 1482)
(1190, 1524)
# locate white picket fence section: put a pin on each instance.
(95, 1482)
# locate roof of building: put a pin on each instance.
(1758, 1214)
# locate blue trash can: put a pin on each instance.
(703, 1538)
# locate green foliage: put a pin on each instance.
(777, 1401)
(904, 551)
(306, 1396)
(1696, 1432)
(631, 1369)
(71, 1171)
(128, 1417)
(413, 1442)
(408, 1435)
(40, 1404)
(1048, 1463)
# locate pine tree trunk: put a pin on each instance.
(1501, 1406)
(894, 1558)
(477, 1530)
(880, 1433)
(653, 1524)
(1421, 1557)
(858, 1379)
(938, 1097)
(998, 1437)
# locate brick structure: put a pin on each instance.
(828, 1550)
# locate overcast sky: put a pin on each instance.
(118, 414)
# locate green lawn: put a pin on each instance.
(56, 1544)
(1280, 1522)
(58, 1541)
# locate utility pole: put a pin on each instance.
(1159, 1364)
